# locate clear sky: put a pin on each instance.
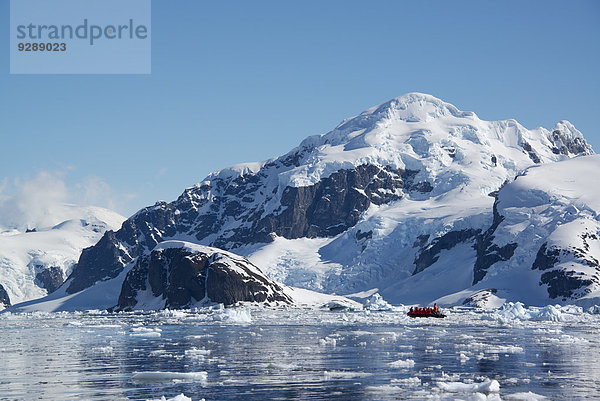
(243, 81)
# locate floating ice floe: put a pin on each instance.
(517, 311)
(342, 375)
(198, 354)
(529, 396)
(108, 350)
(594, 310)
(376, 302)
(235, 315)
(408, 382)
(180, 397)
(145, 332)
(328, 341)
(486, 387)
(201, 377)
(406, 363)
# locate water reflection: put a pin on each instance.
(285, 355)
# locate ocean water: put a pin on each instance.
(263, 354)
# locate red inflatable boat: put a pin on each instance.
(425, 312)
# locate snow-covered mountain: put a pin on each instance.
(544, 241)
(36, 262)
(405, 197)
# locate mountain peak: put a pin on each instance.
(410, 107)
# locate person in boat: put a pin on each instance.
(435, 308)
(411, 310)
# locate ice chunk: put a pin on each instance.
(180, 397)
(328, 341)
(594, 310)
(376, 302)
(149, 334)
(408, 382)
(201, 377)
(236, 315)
(529, 396)
(406, 363)
(341, 375)
(486, 387)
(511, 312)
(197, 353)
(108, 350)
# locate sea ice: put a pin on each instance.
(488, 386)
(201, 377)
(376, 302)
(406, 363)
(529, 396)
(145, 332)
(341, 375)
(236, 315)
(409, 382)
(180, 397)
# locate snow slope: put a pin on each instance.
(552, 212)
(25, 255)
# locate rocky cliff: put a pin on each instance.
(178, 275)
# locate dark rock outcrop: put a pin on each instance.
(530, 152)
(546, 259)
(488, 252)
(429, 254)
(480, 298)
(564, 282)
(103, 261)
(50, 278)
(180, 276)
(568, 145)
(4, 298)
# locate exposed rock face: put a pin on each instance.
(560, 273)
(428, 255)
(334, 204)
(488, 252)
(180, 275)
(50, 278)
(480, 299)
(531, 153)
(4, 298)
(566, 143)
(105, 260)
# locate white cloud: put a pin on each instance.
(160, 173)
(42, 201)
(95, 191)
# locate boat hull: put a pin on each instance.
(437, 315)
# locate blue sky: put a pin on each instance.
(246, 81)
